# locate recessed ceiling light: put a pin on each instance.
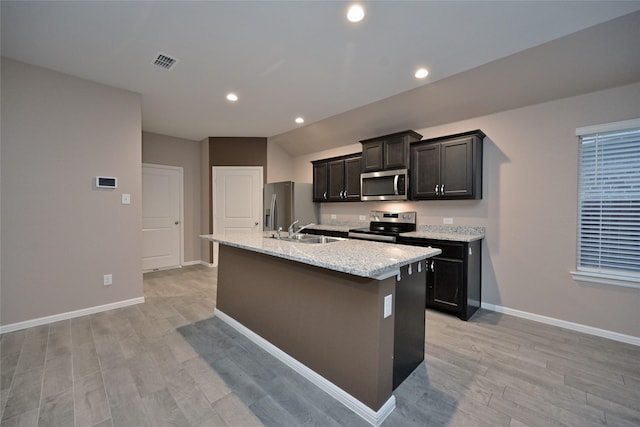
(421, 73)
(299, 120)
(232, 97)
(355, 13)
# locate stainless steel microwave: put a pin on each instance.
(384, 185)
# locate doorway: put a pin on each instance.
(236, 200)
(162, 217)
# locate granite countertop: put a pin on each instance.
(358, 257)
(447, 232)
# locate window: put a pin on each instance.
(609, 204)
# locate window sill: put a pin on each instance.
(606, 279)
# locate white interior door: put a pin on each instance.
(161, 216)
(237, 201)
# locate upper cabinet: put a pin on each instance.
(320, 181)
(337, 179)
(388, 152)
(448, 167)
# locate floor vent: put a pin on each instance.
(165, 61)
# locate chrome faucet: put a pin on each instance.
(291, 231)
(304, 226)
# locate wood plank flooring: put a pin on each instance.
(168, 362)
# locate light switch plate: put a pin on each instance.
(333, 216)
(447, 221)
(388, 304)
(126, 199)
(362, 217)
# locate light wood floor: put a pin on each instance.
(168, 362)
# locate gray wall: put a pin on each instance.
(170, 151)
(60, 235)
(205, 201)
(529, 208)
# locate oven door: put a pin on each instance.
(366, 235)
(384, 185)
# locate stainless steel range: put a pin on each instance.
(385, 226)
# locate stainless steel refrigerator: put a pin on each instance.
(288, 201)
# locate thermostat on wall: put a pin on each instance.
(106, 182)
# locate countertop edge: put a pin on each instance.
(381, 273)
(454, 237)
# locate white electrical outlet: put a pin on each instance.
(362, 217)
(108, 279)
(447, 221)
(126, 199)
(388, 304)
(334, 216)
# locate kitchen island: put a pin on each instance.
(330, 311)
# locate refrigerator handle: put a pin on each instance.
(274, 216)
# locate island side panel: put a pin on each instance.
(330, 321)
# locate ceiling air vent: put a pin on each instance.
(165, 61)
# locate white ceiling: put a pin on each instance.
(285, 59)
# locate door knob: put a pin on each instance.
(256, 223)
(177, 222)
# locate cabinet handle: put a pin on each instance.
(432, 267)
(442, 190)
(436, 190)
(344, 196)
(325, 195)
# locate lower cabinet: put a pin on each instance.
(453, 280)
(409, 328)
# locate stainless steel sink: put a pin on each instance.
(308, 238)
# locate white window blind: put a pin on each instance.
(609, 203)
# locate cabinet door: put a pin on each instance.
(456, 175)
(372, 156)
(352, 170)
(396, 153)
(320, 177)
(336, 180)
(444, 285)
(425, 171)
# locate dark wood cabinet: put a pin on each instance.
(448, 167)
(352, 170)
(453, 281)
(388, 152)
(320, 181)
(337, 179)
(372, 156)
(409, 328)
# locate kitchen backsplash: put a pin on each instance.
(353, 221)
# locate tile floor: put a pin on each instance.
(168, 362)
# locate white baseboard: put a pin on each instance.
(68, 315)
(374, 418)
(629, 339)
(207, 264)
(188, 263)
(153, 270)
